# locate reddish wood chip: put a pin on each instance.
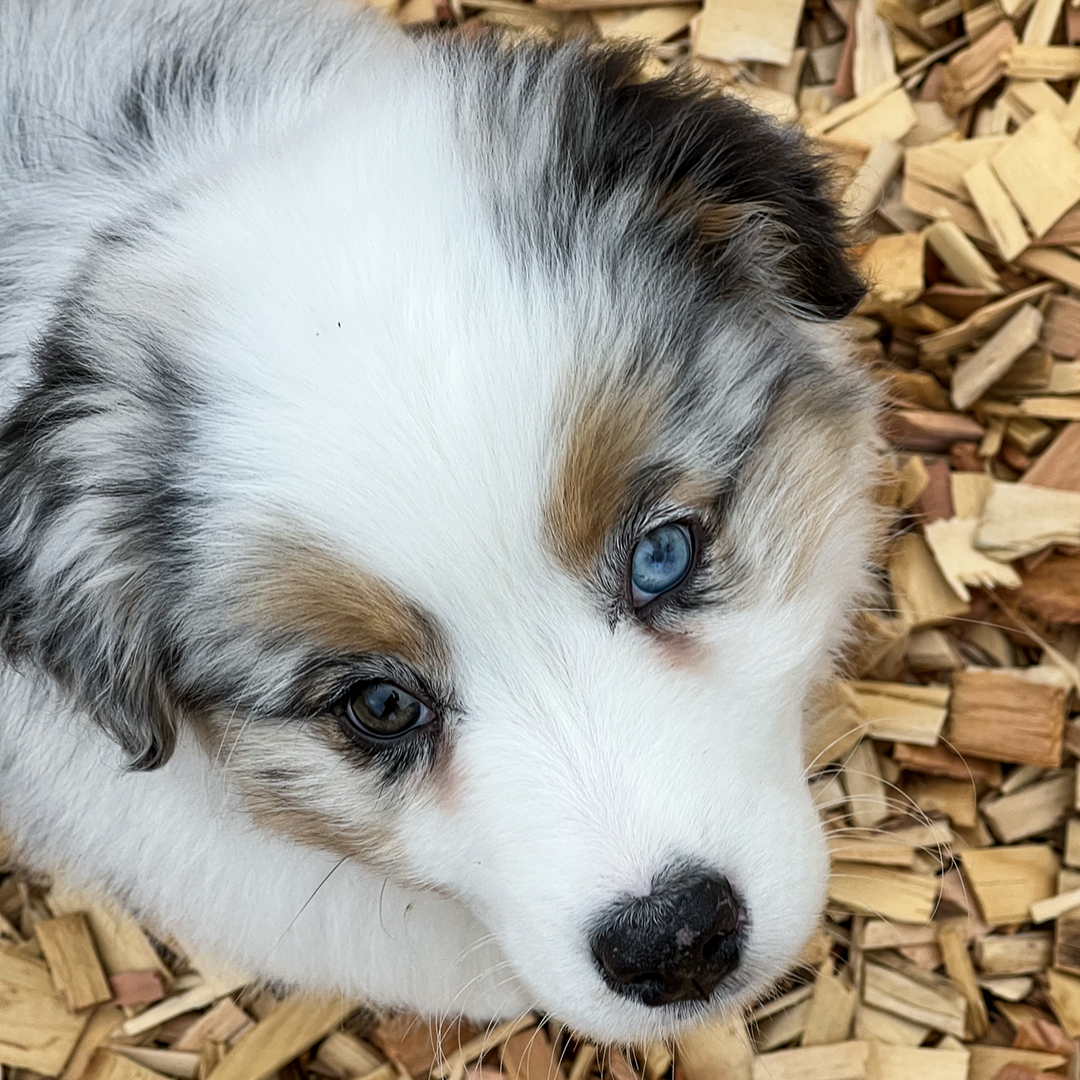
(1044, 1035)
(137, 987)
(1018, 1072)
(1051, 591)
(415, 1044)
(935, 503)
(964, 457)
(616, 1067)
(918, 429)
(1058, 466)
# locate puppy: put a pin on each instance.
(430, 483)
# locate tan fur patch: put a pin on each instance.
(302, 781)
(713, 221)
(283, 796)
(299, 586)
(604, 443)
(308, 818)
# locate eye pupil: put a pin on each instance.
(660, 561)
(381, 700)
(381, 710)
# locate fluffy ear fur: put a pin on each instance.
(91, 527)
(685, 172)
(750, 196)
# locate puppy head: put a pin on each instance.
(487, 512)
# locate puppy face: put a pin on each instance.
(486, 511)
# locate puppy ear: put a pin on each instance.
(85, 516)
(746, 199)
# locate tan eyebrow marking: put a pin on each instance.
(603, 443)
(297, 585)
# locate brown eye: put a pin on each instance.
(383, 711)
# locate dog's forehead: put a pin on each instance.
(455, 422)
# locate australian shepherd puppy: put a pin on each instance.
(430, 483)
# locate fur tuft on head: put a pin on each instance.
(692, 175)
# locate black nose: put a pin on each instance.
(673, 945)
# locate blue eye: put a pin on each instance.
(660, 561)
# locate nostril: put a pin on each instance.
(710, 951)
(676, 944)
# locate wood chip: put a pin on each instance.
(897, 711)
(893, 265)
(1046, 910)
(988, 1061)
(224, 1023)
(137, 987)
(943, 163)
(1032, 811)
(73, 962)
(884, 891)
(36, 1031)
(289, 1029)
(891, 118)
(914, 1063)
(974, 376)
(1015, 954)
(961, 564)
(474, 1048)
(962, 258)
(1052, 263)
(1061, 328)
(1051, 591)
(733, 30)
(1050, 62)
(530, 1055)
(702, 1052)
(980, 323)
(176, 1063)
(953, 942)
(1002, 717)
(917, 429)
(110, 1065)
(1008, 880)
(1020, 519)
(1063, 992)
(972, 71)
(119, 939)
(831, 1010)
(843, 1061)
(102, 1022)
(864, 193)
(878, 1026)
(927, 202)
(942, 760)
(883, 851)
(850, 109)
(1064, 379)
(196, 997)
(922, 998)
(922, 595)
